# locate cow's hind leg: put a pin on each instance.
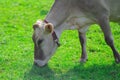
(82, 38)
(105, 26)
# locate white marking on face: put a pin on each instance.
(49, 46)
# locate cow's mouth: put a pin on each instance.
(40, 63)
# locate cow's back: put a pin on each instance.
(114, 10)
(97, 8)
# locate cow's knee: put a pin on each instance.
(109, 40)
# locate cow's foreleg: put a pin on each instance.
(105, 26)
(82, 38)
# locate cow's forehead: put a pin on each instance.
(39, 32)
(40, 25)
(39, 22)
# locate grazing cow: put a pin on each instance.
(74, 14)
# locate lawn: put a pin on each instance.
(16, 47)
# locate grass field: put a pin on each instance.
(16, 47)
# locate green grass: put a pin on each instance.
(16, 47)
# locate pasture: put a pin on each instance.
(16, 47)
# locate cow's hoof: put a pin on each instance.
(117, 60)
(83, 60)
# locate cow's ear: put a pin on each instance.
(49, 28)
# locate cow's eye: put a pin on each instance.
(40, 41)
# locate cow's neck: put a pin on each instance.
(57, 16)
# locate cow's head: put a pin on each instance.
(45, 40)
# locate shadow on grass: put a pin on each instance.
(94, 72)
(37, 73)
(79, 72)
